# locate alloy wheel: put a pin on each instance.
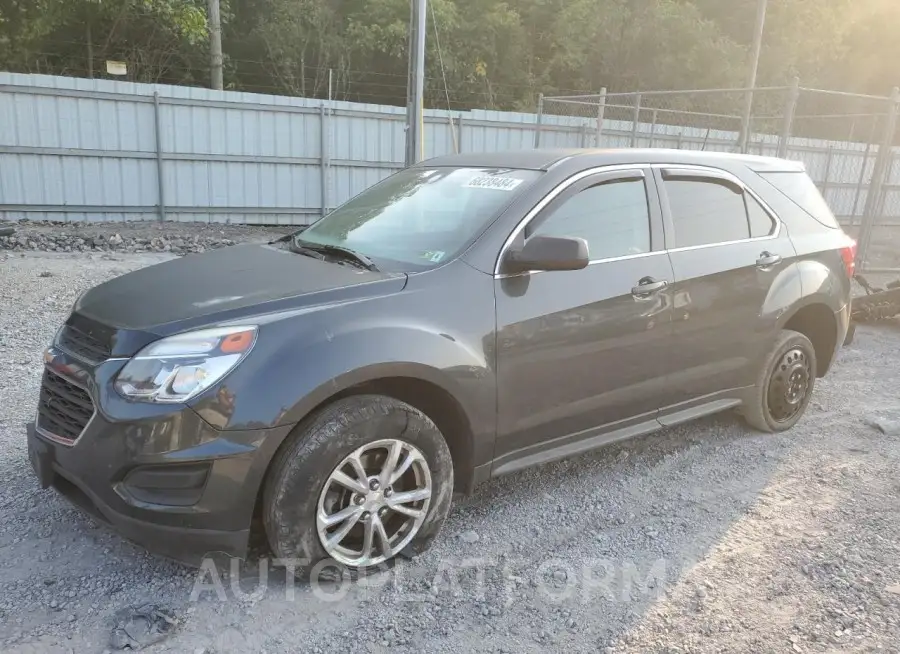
(374, 503)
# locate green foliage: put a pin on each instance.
(493, 53)
(159, 39)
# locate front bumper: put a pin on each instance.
(159, 475)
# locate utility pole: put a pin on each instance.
(215, 45)
(751, 76)
(415, 88)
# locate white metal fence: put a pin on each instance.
(99, 150)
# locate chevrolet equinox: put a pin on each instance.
(464, 318)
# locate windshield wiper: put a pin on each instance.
(336, 250)
(295, 247)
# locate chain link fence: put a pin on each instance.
(845, 140)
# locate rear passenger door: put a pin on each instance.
(727, 251)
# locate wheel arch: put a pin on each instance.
(439, 405)
(816, 320)
(432, 391)
(419, 386)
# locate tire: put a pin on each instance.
(765, 409)
(300, 483)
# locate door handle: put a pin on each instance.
(647, 286)
(767, 260)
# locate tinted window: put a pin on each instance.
(801, 190)
(761, 224)
(613, 218)
(706, 212)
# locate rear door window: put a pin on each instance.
(761, 223)
(706, 211)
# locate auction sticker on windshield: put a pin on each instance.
(491, 182)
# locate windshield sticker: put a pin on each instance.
(434, 256)
(491, 182)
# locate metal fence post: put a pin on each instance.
(828, 161)
(874, 198)
(160, 183)
(601, 116)
(325, 155)
(653, 129)
(537, 124)
(862, 173)
(744, 142)
(452, 125)
(636, 119)
(459, 132)
(788, 119)
(888, 174)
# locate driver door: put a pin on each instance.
(582, 355)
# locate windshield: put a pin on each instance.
(419, 217)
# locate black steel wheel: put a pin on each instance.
(789, 385)
(784, 385)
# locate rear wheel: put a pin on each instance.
(364, 480)
(784, 386)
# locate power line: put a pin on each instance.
(437, 40)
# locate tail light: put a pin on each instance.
(848, 254)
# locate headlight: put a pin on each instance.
(177, 368)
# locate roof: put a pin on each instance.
(544, 159)
(540, 159)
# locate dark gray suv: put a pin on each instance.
(462, 319)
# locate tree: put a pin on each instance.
(866, 61)
(493, 53)
(631, 45)
(159, 39)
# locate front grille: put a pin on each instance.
(64, 409)
(85, 346)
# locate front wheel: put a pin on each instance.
(365, 479)
(785, 384)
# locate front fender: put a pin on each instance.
(283, 385)
(375, 353)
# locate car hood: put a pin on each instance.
(226, 284)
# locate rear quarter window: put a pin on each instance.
(800, 189)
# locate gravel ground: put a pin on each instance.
(704, 538)
(170, 237)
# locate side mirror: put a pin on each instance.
(549, 253)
